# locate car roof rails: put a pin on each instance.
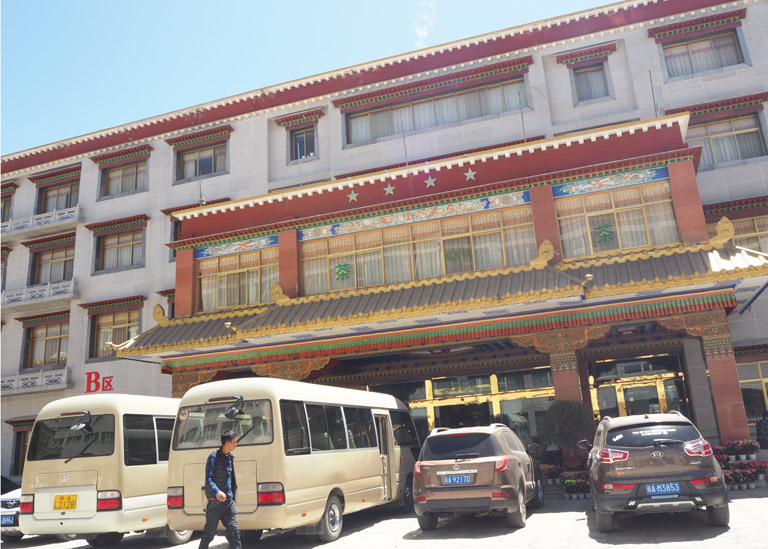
(607, 417)
(676, 412)
(498, 425)
(438, 430)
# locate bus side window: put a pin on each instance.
(139, 439)
(335, 427)
(318, 428)
(294, 428)
(402, 425)
(368, 430)
(354, 434)
(164, 427)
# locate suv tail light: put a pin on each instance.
(501, 464)
(701, 448)
(109, 500)
(706, 480)
(609, 455)
(175, 497)
(417, 468)
(614, 487)
(27, 504)
(271, 493)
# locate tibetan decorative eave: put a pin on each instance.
(736, 209)
(124, 156)
(5, 250)
(192, 140)
(23, 423)
(431, 86)
(8, 188)
(471, 193)
(64, 175)
(300, 119)
(171, 211)
(50, 242)
(589, 56)
(696, 27)
(114, 305)
(170, 295)
(43, 318)
(135, 221)
(751, 353)
(725, 108)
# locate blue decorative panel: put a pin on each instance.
(609, 182)
(239, 247)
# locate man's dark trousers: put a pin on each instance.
(225, 512)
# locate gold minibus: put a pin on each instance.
(306, 454)
(97, 467)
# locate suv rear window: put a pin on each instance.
(460, 446)
(636, 436)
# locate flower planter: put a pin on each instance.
(566, 496)
(742, 486)
(761, 476)
(729, 487)
(550, 481)
(558, 481)
(751, 456)
(751, 485)
(742, 457)
(731, 457)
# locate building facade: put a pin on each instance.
(570, 209)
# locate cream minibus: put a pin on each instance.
(306, 454)
(97, 467)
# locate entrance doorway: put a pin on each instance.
(463, 415)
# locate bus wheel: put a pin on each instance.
(406, 504)
(105, 540)
(330, 524)
(177, 537)
(250, 536)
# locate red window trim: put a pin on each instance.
(110, 306)
(697, 27)
(57, 177)
(586, 57)
(117, 226)
(123, 157)
(300, 120)
(725, 108)
(50, 243)
(201, 139)
(8, 188)
(44, 319)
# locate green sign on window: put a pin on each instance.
(343, 271)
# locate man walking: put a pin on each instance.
(220, 489)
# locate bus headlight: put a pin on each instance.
(271, 493)
(175, 497)
(109, 500)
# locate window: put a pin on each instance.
(326, 428)
(461, 385)
(525, 379)
(175, 235)
(6, 214)
(295, 431)
(48, 345)
(703, 54)
(120, 250)
(3, 270)
(751, 232)
(240, 279)
(202, 161)
(444, 109)
(115, 328)
(54, 266)
(124, 179)
(360, 430)
(302, 143)
(140, 444)
(57, 198)
(21, 445)
(618, 220)
(419, 251)
(404, 429)
(727, 140)
(55, 439)
(753, 378)
(590, 83)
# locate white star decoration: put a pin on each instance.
(353, 196)
(469, 174)
(389, 189)
(430, 182)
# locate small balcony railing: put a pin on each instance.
(35, 381)
(39, 297)
(42, 224)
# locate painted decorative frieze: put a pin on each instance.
(610, 182)
(238, 247)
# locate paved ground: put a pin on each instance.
(559, 524)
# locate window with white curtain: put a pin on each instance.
(203, 161)
(125, 179)
(590, 82)
(120, 250)
(727, 140)
(48, 345)
(54, 265)
(436, 111)
(238, 279)
(60, 197)
(115, 328)
(702, 54)
(419, 251)
(623, 219)
(750, 232)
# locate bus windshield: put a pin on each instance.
(200, 426)
(55, 439)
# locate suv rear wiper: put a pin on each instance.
(467, 456)
(665, 441)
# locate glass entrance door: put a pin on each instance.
(645, 395)
(642, 400)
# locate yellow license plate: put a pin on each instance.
(64, 503)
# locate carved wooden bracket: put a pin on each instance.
(711, 326)
(562, 342)
(291, 369)
(183, 381)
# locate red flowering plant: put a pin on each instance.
(574, 475)
(736, 477)
(582, 486)
(728, 477)
(731, 447)
(749, 446)
(554, 472)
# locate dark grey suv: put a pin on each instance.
(653, 463)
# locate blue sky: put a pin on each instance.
(72, 67)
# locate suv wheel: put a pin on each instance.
(538, 496)
(719, 516)
(427, 521)
(605, 521)
(517, 519)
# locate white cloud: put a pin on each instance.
(423, 21)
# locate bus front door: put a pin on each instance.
(382, 428)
